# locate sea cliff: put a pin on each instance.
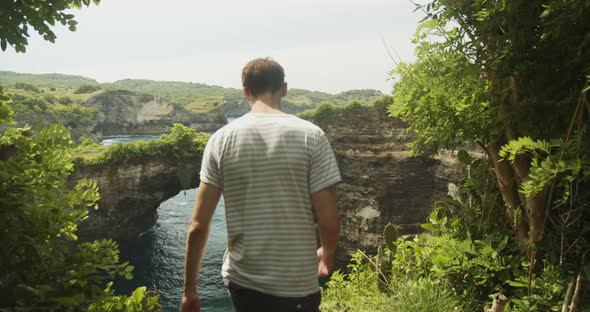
(128, 112)
(382, 181)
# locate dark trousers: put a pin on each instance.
(249, 300)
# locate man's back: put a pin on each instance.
(271, 167)
(268, 165)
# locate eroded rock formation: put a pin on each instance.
(130, 195)
(382, 182)
(127, 112)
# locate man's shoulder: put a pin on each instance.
(305, 124)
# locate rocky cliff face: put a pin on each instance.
(127, 112)
(382, 182)
(209, 121)
(130, 195)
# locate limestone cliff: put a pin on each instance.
(127, 112)
(130, 194)
(382, 182)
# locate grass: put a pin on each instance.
(204, 104)
(57, 93)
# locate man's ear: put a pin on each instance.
(284, 90)
(247, 94)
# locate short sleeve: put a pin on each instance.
(323, 169)
(210, 165)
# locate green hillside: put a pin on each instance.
(45, 80)
(183, 92)
(196, 97)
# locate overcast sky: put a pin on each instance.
(324, 45)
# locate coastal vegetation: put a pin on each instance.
(43, 266)
(327, 112)
(511, 77)
(181, 144)
(195, 97)
(504, 84)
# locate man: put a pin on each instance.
(272, 168)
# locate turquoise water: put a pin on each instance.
(127, 138)
(158, 255)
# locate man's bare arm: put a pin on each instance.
(198, 233)
(324, 203)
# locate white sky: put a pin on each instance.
(324, 45)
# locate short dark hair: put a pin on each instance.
(262, 75)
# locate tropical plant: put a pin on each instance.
(18, 16)
(511, 77)
(42, 263)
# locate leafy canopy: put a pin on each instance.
(16, 17)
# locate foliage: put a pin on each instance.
(48, 109)
(86, 89)
(195, 97)
(355, 291)
(384, 260)
(180, 144)
(45, 80)
(563, 168)
(42, 266)
(441, 118)
(18, 16)
(6, 113)
(469, 249)
(441, 270)
(358, 291)
(512, 78)
(27, 87)
(140, 301)
(327, 112)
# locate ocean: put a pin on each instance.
(158, 255)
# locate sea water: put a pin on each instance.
(158, 255)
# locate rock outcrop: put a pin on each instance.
(382, 181)
(127, 112)
(130, 195)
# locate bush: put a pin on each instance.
(42, 266)
(86, 89)
(65, 100)
(180, 144)
(26, 87)
(358, 291)
(49, 98)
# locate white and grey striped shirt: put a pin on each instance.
(268, 165)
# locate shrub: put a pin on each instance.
(86, 89)
(65, 100)
(26, 87)
(180, 145)
(42, 266)
(358, 291)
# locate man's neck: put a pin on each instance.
(268, 106)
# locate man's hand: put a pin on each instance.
(190, 303)
(325, 262)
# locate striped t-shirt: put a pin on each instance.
(268, 165)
